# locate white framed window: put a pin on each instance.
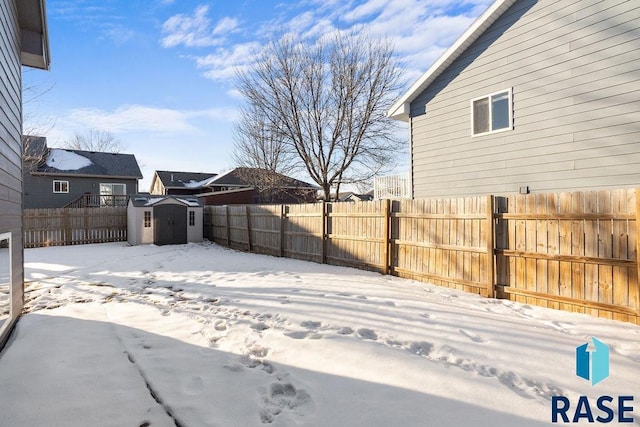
(147, 219)
(492, 113)
(60, 186)
(192, 218)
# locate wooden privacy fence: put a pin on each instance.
(74, 226)
(570, 251)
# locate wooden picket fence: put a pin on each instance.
(570, 251)
(74, 226)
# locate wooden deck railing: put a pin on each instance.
(98, 201)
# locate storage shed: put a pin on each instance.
(164, 220)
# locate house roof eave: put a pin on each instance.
(400, 109)
(83, 175)
(32, 17)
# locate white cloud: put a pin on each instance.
(368, 8)
(225, 25)
(190, 30)
(119, 34)
(223, 63)
(136, 118)
(420, 30)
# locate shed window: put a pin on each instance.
(60, 186)
(492, 113)
(147, 219)
(192, 218)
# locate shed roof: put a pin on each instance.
(146, 200)
(400, 109)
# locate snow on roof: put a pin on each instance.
(153, 200)
(198, 184)
(67, 160)
(189, 202)
(220, 176)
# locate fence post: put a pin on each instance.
(491, 244)
(282, 217)
(325, 229)
(226, 209)
(66, 227)
(386, 236)
(248, 213)
(638, 254)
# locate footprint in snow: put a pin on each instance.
(279, 398)
(367, 334)
(422, 348)
(260, 326)
(220, 325)
(297, 335)
(300, 335)
(310, 324)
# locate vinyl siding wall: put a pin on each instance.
(574, 66)
(10, 150)
(38, 189)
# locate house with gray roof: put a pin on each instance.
(245, 185)
(241, 185)
(179, 183)
(536, 96)
(58, 178)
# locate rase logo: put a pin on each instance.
(592, 364)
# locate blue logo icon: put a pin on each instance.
(592, 361)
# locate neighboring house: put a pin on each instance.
(254, 186)
(350, 196)
(57, 178)
(23, 35)
(535, 96)
(179, 183)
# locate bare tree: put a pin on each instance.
(94, 140)
(34, 151)
(327, 102)
(258, 144)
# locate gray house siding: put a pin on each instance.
(574, 69)
(10, 151)
(39, 189)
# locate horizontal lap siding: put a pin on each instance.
(10, 150)
(575, 73)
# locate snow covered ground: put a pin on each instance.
(200, 335)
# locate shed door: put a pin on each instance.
(170, 225)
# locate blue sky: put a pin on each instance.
(158, 74)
